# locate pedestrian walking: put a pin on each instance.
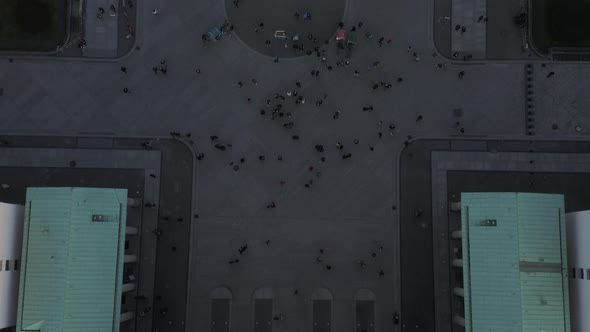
(124, 69)
(147, 145)
(243, 249)
(551, 73)
(125, 90)
(155, 12)
(461, 74)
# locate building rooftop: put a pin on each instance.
(73, 246)
(514, 262)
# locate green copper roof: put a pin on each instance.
(72, 260)
(514, 262)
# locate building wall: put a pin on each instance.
(11, 239)
(578, 239)
(489, 254)
(514, 262)
(72, 258)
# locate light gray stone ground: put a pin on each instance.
(349, 207)
(562, 100)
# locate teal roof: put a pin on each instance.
(72, 265)
(514, 262)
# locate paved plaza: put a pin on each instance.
(271, 187)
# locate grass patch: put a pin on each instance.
(29, 20)
(568, 22)
(560, 23)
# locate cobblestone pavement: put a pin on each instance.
(348, 208)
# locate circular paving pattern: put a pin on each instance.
(255, 23)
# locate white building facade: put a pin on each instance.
(11, 239)
(578, 250)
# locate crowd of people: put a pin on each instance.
(286, 108)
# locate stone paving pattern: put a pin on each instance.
(349, 208)
(101, 33)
